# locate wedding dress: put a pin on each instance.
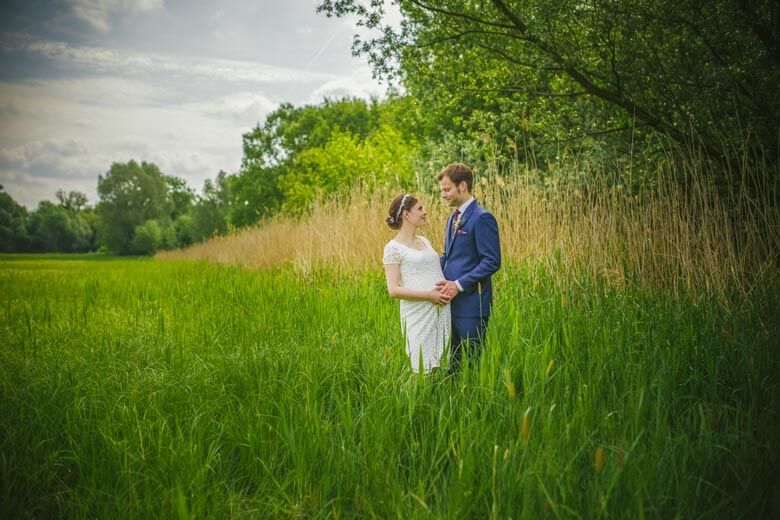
(425, 325)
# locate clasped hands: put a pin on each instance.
(444, 292)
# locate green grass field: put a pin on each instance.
(146, 389)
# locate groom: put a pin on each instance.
(472, 253)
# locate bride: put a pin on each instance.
(412, 269)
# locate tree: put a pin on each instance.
(181, 196)
(54, 228)
(147, 238)
(300, 153)
(13, 224)
(702, 73)
(209, 214)
(383, 158)
(270, 151)
(73, 201)
(130, 195)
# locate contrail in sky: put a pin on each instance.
(323, 49)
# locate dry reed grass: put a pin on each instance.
(680, 236)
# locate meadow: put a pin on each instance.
(140, 388)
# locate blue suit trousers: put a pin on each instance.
(466, 339)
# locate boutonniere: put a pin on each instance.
(456, 227)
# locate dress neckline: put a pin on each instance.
(424, 248)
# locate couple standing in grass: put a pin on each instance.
(445, 300)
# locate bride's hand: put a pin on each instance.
(439, 297)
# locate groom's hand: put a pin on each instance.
(447, 287)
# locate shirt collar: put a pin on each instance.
(462, 207)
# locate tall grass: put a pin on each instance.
(143, 389)
(630, 367)
(686, 235)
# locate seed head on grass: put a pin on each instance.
(550, 367)
(510, 385)
(525, 428)
(598, 459)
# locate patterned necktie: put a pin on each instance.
(455, 217)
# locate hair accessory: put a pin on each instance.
(400, 207)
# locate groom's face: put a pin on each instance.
(453, 194)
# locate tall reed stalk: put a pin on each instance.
(690, 235)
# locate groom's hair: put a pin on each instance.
(458, 172)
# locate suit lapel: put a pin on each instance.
(463, 218)
(448, 236)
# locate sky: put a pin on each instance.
(86, 83)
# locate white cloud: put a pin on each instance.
(352, 86)
(177, 90)
(67, 132)
(39, 167)
(155, 65)
(97, 12)
(245, 108)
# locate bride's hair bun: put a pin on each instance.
(401, 203)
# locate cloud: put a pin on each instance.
(50, 158)
(102, 60)
(173, 83)
(36, 170)
(345, 86)
(246, 108)
(96, 12)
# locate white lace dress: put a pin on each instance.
(426, 326)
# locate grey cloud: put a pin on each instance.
(156, 65)
(246, 108)
(42, 153)
(10, 109)
(174, 83)
(96, 12)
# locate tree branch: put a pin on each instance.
(769, 36)
(533, 92)
(463, 16)
(617, 99)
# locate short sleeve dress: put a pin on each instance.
(425, 326)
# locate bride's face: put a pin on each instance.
(417, 215)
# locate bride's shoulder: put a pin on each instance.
(392, 246)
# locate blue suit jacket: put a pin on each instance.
(471, 255)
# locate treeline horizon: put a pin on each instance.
(141, 209)
(571, 90)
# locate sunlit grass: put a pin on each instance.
(138, 388)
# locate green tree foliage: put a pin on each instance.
(181, 196)
(55, 228)
(73, 201)
(301, 153)
(383, 157)
(270, 151)
(689, 71)
(290, 130)
(130, 195)
(209, 214)
(254, 194)
(68, 227)
(184, 228)
(13, 224)
(147, 238)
